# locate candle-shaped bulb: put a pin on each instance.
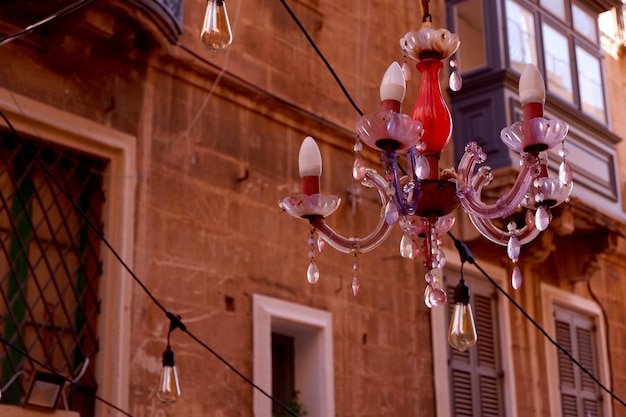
(393, 85)
(310, 165)
(392, 88)
(531, 86)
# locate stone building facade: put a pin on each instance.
(179, 156)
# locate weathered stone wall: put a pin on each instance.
(217, 150)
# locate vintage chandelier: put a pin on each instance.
(421, 197)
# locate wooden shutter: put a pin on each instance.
(580, 396)
(475, 374)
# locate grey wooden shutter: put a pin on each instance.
(475, 375)
(580, 395)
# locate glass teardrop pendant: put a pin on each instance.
(358, 169)
(422, 167)
(565, 173)
(516, 278)
(427, 292)
(406, 246)
(438, 297)
(513, 248)
(455, 82)
(542, 218)
(355, 285)
(312, 273)
(391, 213)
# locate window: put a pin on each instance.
(93, 147)
(49, 262)
(469, 26)
(562, 37)
(576, 324)
(283, 371)
(281, 329)
(475, 382)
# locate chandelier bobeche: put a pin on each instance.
(422, 197)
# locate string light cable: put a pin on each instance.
(321, 55)
(64, 11)
(465, 253)
(177, 322)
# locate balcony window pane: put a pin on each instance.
(556, 7)
(469, 25)
(521, 36)
(558, 63)
(590, 84)
(585, 23)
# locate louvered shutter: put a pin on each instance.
(475, 374)
(580, 396)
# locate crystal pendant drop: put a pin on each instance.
(437, 297)
(422, 167)
(359, 169)
(542, 218)
(565, 173)
(406, 246)
(516, 278)
(391, 213)
(427, 292)
(455, 82)
(355, 285)
(312, 273)
(513, 248)
(415, 253)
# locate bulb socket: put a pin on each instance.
(168, 357)
(461, 293)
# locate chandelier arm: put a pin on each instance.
(356, 244)
(496, 235)
(469, 196)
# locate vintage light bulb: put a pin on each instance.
(169, 389)
(462, 333)
(216, 34)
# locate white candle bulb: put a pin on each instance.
(393, 85)
(531, 86)
(310, 158)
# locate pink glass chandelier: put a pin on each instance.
(420, 196)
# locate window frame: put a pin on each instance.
(552, 297)
(543, 16)
(312, 330)
(40, 120)
(440, 323)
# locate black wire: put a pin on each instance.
(49, 369)
(175, 321)
(322, 57)
(465, 253)
(66, 10)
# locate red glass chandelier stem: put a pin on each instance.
(432, 111)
